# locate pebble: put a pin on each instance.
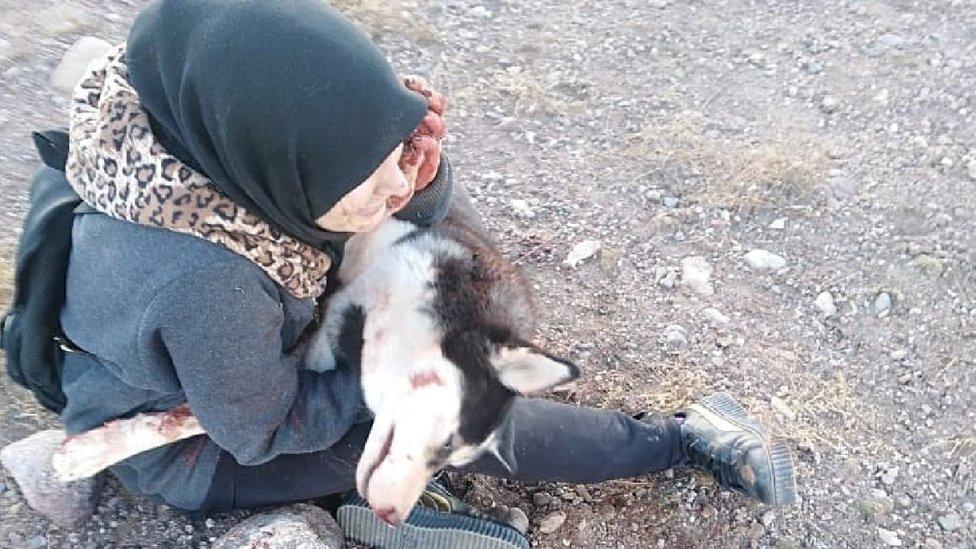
(658, 4)
(764, 260)
(813, 67)
(209, 523)
(299, 525)
(671, 202)
(36, 542)
(541, 499)
(782, 407)
(829, 104)
(889, 475)
(882, 303)
(518, 519)
(950, 522)
(778, 224)
(552, 522)
(522, 208)
(889, 538)
(665, 277)
(695, 274)
(582, 251)
(674, 339)
(715, 316)
(768, 518)
(898, 354)
(508, 124)
(825, 302)
(75, 62)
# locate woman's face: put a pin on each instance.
(362, 209)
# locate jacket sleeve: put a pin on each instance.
(432, 203)
(222, 331)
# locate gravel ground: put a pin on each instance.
(836, 135)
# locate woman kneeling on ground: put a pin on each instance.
(284, 122)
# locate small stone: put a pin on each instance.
(695, 272)
(768, 518)
(300, 525)
(813, 67)
(782, 407)
(764, 260)
(778, 224)
(889, 475)
(715, 316)
(518, 519)
(665, 277)
(889, 538)
(825, 302)
(522, 208)
(950, 522)
(74, 62)
(658, 4)
(541, 499)
(36, 542)
(480, 11)
(829, 104)
(209, 523)
(552, 522)
(882, 303)
(929, 265)
(74, 537)
(582, 251)
(671, 202)
(674, 339)
(508, 124)
(898, 354)
(29, 463)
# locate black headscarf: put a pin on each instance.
(283, 104)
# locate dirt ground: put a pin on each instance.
(838, 134)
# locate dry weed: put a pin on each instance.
(781, 170)
(400, 17)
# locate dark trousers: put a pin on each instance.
(551, 442)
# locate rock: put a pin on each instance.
(898, 354)
(813, 67)
(582, 251)
(300, 525)
(950, 522)
(882, 303)
(765, 261)
(36, 542)
(552, 522)
(658, 4)
(782, 407)
(541, 499)
(674, 339)
(518, 519)
(889, 475)
(670, 202)
(825, 302)
(75, 62)
(889, 538)
(665, 277)
(929, 265)
(29, 463)
(695, 272)
(768, 518)
(209, 523)
(521, 208)
(715, 316)
(508, 124)
(829, 104)
(778, 224)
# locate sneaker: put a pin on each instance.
(720, 438)
(438, 521)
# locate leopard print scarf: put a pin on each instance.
(119, 168)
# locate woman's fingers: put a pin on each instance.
(435, 100)
(422, 150)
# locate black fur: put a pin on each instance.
(349, 344)
(462, 309)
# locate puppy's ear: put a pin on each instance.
(526, 369)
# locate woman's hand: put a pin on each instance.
(422, 150)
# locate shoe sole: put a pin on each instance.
(728, 409)
(425, 529)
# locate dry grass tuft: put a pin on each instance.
(399, 17)
(531, 94)
(781, 170)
